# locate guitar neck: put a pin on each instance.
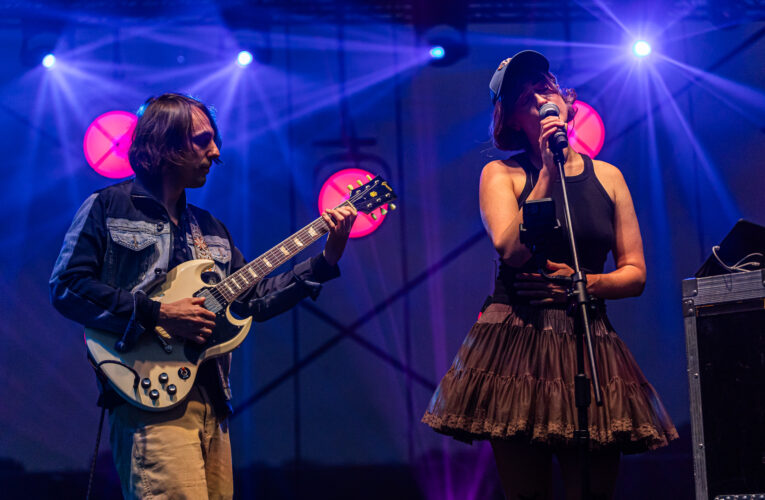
(248, 276)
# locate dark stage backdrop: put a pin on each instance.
(343, 381)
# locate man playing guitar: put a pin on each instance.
(123, 241)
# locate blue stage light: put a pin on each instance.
(437, 52)
(244, 58)
(641, 48)
(49, 60)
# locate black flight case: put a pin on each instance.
(725, 340)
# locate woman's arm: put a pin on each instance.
(628, 279)
(499, 201)
(500, 212)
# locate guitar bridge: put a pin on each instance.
(162, 337)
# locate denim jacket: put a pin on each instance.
(120, 245)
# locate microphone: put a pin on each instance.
(558, 140)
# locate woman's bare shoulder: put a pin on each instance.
(606, 170)
(508, 167)
(612, 180)
(499, 175)
(610, 177)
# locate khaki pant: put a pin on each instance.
(182, 453)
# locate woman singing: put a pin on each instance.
(512, 381)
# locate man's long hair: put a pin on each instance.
(162, 136)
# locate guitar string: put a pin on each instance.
(274, 254)
(241, 281)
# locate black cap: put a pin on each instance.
(524, 63)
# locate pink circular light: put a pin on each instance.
(586, 131)
(107, 141)
(335, 190)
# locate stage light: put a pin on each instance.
(334, 191)
(437, 52)
(107, 142)
(641, 48)
(244, 58)
(49, 60)
(447, 45)
(586, 131)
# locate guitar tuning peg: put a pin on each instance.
(350, 187)
(392, 206)
(383, 211)
(373, 215)
(369, 177)
(359, 181)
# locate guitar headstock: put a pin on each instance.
(373, 195)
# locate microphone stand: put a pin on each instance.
(579, 300)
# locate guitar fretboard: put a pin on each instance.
(248, 276)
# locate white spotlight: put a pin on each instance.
(49, 60)
(244, 58)
(641, 48)
(437, 52)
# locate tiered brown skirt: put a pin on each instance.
(513, 378)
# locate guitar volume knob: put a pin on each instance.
(146, 383)
(163, 378)
(171, 389)
(154, 394)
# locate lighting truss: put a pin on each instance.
(282, 12)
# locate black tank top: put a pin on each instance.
(592, 214)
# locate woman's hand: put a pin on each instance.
(536, 287)
(548, 126)
(340, 222)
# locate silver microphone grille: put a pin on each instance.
(548, 109)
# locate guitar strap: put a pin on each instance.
(203, 252)
(200, 246)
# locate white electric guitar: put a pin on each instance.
(158, 372)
